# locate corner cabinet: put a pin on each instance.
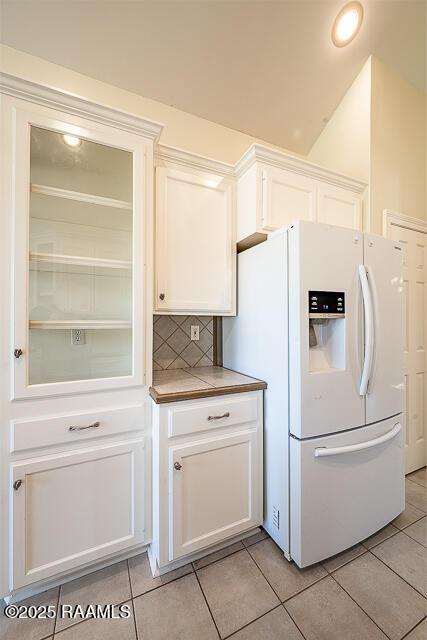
(76, 316)
(274, 189)
(195, 255)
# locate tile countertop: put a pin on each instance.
(173, 385)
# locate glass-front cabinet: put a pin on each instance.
(79, 294)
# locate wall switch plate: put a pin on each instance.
(194, 332)
(78, 336)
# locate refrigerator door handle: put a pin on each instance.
(321, 452)
(369, 331)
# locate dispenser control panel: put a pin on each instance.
(326, 304)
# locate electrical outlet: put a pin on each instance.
(194, 332)
(78, 336)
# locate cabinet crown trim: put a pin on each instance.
(77, 105)
(282, 160)
(193, 161)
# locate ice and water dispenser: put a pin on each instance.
(326, 313)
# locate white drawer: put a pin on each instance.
(212, 414)
(74, 427)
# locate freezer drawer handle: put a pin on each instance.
(369, 330)
(321, 452)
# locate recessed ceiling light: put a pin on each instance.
(72, 141)
(347, 24)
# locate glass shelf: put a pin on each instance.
(79, 261)
(90, 198)
(80, 324)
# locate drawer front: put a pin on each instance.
(205, 416)
(74, 427)
(344, 488)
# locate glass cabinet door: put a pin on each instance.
(80, 259)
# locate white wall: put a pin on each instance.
(378, 134)
(344, 144)
(181, 129)
(398, 150)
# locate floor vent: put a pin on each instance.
(276, 517)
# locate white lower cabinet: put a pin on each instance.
(213, 491)
(207, 483)
(75, 507)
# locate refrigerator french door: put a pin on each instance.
(346, 361)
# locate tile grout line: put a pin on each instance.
(132, 600)
(57, 610)
(252, 621)
(411, 523)
(395, 572)
(294, 621)
(365, 550)
(413, 628)
(414, 505)
(207, 604)
(213, 561)
(411, 538)
(294, 594)
(360, 607)
(74, 624)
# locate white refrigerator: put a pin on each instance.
(320, 319)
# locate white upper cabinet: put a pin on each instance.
(275, 189)
(339, 207)
(195, 242)
(286, 197)
(79, 220)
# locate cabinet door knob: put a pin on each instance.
(177, 466)
(162, 296)
(17, 484)
(18, 353)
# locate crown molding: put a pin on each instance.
(400, 220)
(165, 153)
(77, 105)
(282, 160)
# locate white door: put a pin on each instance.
(195, 243)
(383, 265)
(338, 206)
(324, 377)
(78, 213)
(344, 488)
(414, 252)
(214, 491)
(286, 197)
(74, 508)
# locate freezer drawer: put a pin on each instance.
(344, 488)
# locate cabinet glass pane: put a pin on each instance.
(80, 261)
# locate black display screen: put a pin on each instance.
(326, 302)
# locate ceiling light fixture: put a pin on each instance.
(72, 141)
(347, 24)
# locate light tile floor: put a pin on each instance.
(375, 591)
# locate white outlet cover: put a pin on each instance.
(195, 332)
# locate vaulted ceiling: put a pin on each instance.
(268, 69)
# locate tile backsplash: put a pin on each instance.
(172, 346)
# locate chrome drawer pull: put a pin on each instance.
(224, 415)
(95, 425)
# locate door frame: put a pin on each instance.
(397, 219)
